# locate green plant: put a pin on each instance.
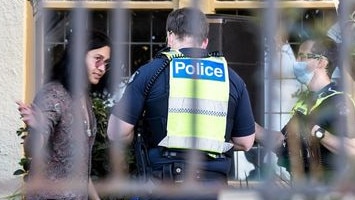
(24, 161)
(100, 154)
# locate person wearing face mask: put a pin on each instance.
(323, 107)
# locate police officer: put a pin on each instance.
(324, 107)
(189, 99)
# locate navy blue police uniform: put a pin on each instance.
(329, 108)
(153, 106)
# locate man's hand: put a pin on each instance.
(262, 136)
(31, 116)
(28, 114)
(279, 138)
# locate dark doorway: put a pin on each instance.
(238, 38)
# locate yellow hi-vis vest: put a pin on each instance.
(301, 105)
(198, 103)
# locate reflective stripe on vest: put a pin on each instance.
(198, 94)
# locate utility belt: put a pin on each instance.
(172, 165)
(177, 172)
(183, 154)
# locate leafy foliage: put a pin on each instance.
(100, 154)
(25, 161)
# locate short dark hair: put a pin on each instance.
(188, 22)
(328, 48)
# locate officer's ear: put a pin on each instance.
(170, 39)
(204, 43)
(323, 61)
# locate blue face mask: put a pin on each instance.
(303, 75)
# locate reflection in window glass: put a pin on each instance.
(55, 24)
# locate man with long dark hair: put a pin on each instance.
(62, 125)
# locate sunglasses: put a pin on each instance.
(99, 61)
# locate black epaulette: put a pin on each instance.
(215, 54)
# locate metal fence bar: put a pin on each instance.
(266, 188)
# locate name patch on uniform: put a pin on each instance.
(198, 69)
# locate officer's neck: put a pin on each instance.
(186, 42)
(318, 83)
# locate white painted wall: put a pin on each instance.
(11, 89)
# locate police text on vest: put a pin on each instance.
(198, 69)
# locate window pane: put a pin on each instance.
(141, 26)
(52, 55)
(55, 26)
(158, 23)
(99, 20)
(140, 55)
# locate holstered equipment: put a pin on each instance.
(141, 156)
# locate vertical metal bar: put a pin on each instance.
(39, 48)
(78, 39)
(193, 158)
(344, 64)
(39, 34)
(269, 19)
(118, 58)
(78, 83)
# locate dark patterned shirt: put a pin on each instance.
(60, 167)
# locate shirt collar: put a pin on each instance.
(324, 91)
(194, 52)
